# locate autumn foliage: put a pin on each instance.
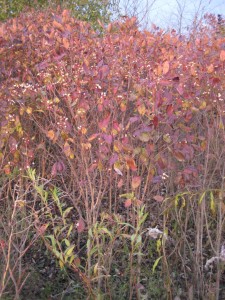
(125, 102)
(116, 114)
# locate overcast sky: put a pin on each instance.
(165, 13)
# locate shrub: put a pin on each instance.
(111, 119)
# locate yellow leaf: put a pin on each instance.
(29, 110)
(167, 138)
(71, 156)
(141, 109)
(203, 105)
(61, 264)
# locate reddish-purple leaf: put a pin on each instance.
(104, 123)
(180, 89)
(120, 183)
(12, 144)
(107, 138)
(158, 198)
(80, 225)
(104, 71)
(128, 203)
(169, 109)
(113, 159)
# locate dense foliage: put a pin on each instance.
(107, 121)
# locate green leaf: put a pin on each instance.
(156, 264)
(66, 212)
(52, 239)
(69, 231)
(105, 230)
(202, 197)
(67, 242)
(69, 251)
(127, 196)
(212, 203)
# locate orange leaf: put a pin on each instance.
(141, 109)
(166, 67)
(222, 55)
(66, 43)
(136, 181)
(51, 134)
(67, 149)
(210, 68)
(58, 25)
(131, 164)
(93, 137)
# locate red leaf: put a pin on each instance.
(80, 225)
(104, 123)
(169, 109)
(155, 121)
